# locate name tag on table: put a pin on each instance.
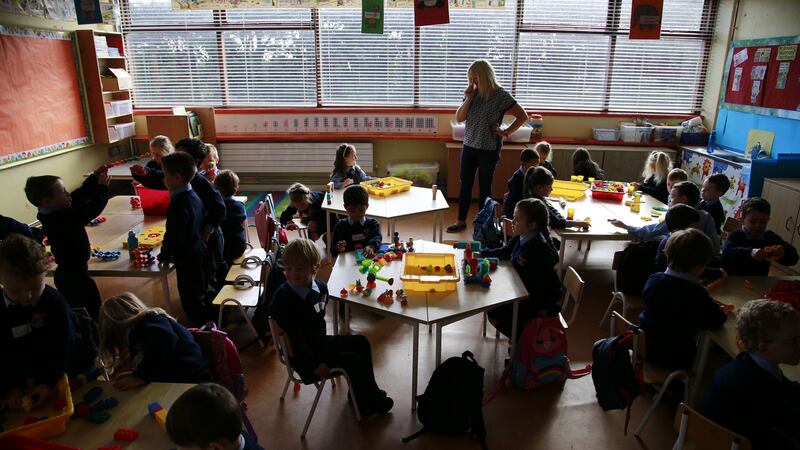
(358, 237)
(21, 330)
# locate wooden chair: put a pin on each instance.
(284, 349)
(573, 289)
(694, 428)
(617, 296)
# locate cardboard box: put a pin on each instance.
(119, 80)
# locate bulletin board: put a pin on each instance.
(40, 93)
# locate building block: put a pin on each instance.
(98, 417)
(83, 409)
(93, 394)
(126, 434)
(105, 404)
(161, 418)
(153, 407)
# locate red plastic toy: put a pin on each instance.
(126, 434)
(136, 202)
(343, 293)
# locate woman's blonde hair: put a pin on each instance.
(117, 316)
(163, 144)
(658, 165)
(301, 252)
(483, 71)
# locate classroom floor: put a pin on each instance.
(549, 418)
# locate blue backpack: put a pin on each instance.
(616, 381)
(486, 231)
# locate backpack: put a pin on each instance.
(222, 357)
(485, 229)
(451, 404)
(275, 279)
(637, 264)
(615, 381)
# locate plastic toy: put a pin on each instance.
(372, 277)
(359, 287)
(142, 257)
(97, 221)
(109, 255)
(105, 404)
(386, 186)
(126, 434)
(359, 253)
(476, 270)
(83, 410)
(93, 394)
(371, 283)
(367, 292)
(343, 293)
(386, 298)
(410, 245)
(98, 417)
(136, 203)
(418, 272)
(402, 297)
(158, 413)
(475, 245)
(27, 403)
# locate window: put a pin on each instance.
(571, 55)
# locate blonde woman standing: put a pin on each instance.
(485, 104)
(654, 174)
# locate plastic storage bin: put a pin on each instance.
(458, 130)
(416, 276)
(421, 173)
(522, 134)
(605, 134)
(121, 131)
(391, 185)
(43, 429)
(600, 194)
(121, 107)
(568, 190)
(629, 132)
(667, 133)
(154, 202)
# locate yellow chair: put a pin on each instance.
(699, 432)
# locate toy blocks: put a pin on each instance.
(97, 221)
(98, 417)
(476, 270)
(109, 255)
(105, 404)
(126, 434)
(93, 394)
(136, 203)
(142, 257)
(158, 413)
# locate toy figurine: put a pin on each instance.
(359, 286)
(343, 293)
(401, 296)
(410, 245)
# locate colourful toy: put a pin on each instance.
(386, 186)
(476, 270)
(126, 434)
(93, 394)
(402, 297)
(98, 417)
(136, 203)
(27, 403)
(105, 404)
(367, 292)
(97, 221)
(109, 255)
(410, 245)
(142, 257)
(372, 277)
(83, 410)
(359, 286)
(475, 245)
(359, 253)
(343, 293)
(371, 284)
(158, 413)
(386, 298)
(418, 272)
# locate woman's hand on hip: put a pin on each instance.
(499, 131)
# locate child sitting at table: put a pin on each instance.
(539, 184)
(298, 307)
(39, 337)
(64, 217)
(345, 170)
(147, 345)
(674, 177)
(750, 395)
(545, 152)
(655, 174)
(527, 158)
(234, 225)
(676, 304)
(582, 165)
(679, 217)
(207, 416)
(309, 205)
(356, 228)
(151, 175)
(714, 187)
(534, 258)
(748, 251)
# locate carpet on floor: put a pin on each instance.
(254, 198)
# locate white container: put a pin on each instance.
(458, 130)
(629, 132)
(421, 173)
(121, 131)
(537, 125)
(121, 107)
(523, 133)
(108, 108)
(667, 133)
(605, 134)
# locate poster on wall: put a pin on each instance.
(431, 12)
(88, 11)
(372, 16)
(700, 166)
(646, 19)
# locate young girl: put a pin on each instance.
(534, 259)
(539, 184)
(655, 174)
(545, 151)
(309, 205)
(582, 164)
(148, 344)
(210, 168)
(345, 170)
(151, 175)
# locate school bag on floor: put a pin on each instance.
(451, 404)
(485, 228)
(615, 381)
(637, 264)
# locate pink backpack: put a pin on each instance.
(222, 357)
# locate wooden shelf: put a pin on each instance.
(111, 57)
(115, 92)
(118, 116)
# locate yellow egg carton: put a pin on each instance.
(568, 190)
(386, 186)
(429, 272)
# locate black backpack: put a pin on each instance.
(452, 402)
(637, 264)
(615, 381)
(275, 279)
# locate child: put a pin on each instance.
(9, 226)
(150, 175)
(39, 331)
(356, 228)
(674, 177)
(714, 187)
(309, 205)
(534, 259)
(207, 416)
(146, 345)
(749, 250)
(298, 307)
(528, 158)
(582, 164)
(538, 185)
(677, 218)
(210, 166)
(183, 243)
(655, 174)
(233, 226)
(64, 217)
(545, 151)
(676, 304)
(750, 395)
(345, 170)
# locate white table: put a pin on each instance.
(415, 201)
(123, 171)
(440, 308)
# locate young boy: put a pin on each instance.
(528, 158)
(9, 226)
(38, 331)
(534, 259)
(309, 205)
(749, 250)
(679, 217)
(183, 243)
(207, 416)
(233, 226)
(750, 395)
(676, 304)
(356, 228)
(64, 217)
(714, 187)
(151, 175)
(298, 307)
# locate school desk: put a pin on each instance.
(131, 412)
(416, 201)
(121, 204)
(123, 171)
(734, 291)
(441, 308)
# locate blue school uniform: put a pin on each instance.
(655, 188)
(314, 212)
(714, 209)
(9, 226)
(737, 256)
(233, 230)
(549, 166)
(153, 177)
(355, 173)
(515, 194)
(367, 232)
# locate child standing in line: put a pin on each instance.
(148, 345)
(150, 175)
(309, 205)
(655, 174)
(234, 225)
(545, 151)
(207, 416)
(64, 217)
(539, 184)
(714, 187)
(356, 228)
(183, 243)
(527, 158)
(749, 250)
(582, 164)
(345, 170)
(39, 337)
(534, 259)
(298, 307)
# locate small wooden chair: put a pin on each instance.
(573, 288)
(617, 296)
(284, 349)
(695, 429)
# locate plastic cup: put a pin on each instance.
(579, 178)
(591, 180)
(573, 178)
(631, 189)
(570, 213)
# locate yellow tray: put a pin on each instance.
(569, 190)
(392, 185)
(416, 278)
(49, 427)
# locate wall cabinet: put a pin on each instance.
(783, 195)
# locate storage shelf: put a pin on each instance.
(118, 116)
(115, 92)
(111, 57)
